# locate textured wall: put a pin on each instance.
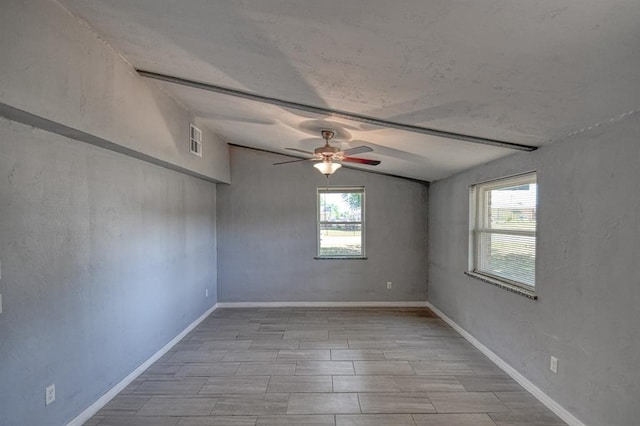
(54, 67)
(587, 273)
(267, 236)
(104, 260)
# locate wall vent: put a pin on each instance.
(195, 141)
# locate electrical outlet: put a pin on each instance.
(553, 364)
(49, 394)
(206, 292)
(389, 284)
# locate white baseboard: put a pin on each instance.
(104, 399)
(560, 411)
(381, 304)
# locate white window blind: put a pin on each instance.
(504, 229)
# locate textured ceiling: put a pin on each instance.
(523, 72)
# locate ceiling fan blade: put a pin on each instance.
(361, 161)
(294, 161)
(357, 150)
(300, 150)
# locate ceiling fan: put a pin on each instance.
(329, 157)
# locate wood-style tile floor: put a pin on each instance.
(314, 366)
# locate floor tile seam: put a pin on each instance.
(212, 408)
(178, 396)
(266, 389)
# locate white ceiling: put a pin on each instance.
(524, 72)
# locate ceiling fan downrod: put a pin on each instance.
(327, 135)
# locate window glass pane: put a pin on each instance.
(340, 239)
(341, 222)
(507, 256)
(511, 207)
(340, 207)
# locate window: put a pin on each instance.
(503, 232)
(341, 222)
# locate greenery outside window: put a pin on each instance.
(341, 222)
(503, 232)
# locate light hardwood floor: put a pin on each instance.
(315, 366)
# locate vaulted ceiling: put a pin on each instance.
(527, 73)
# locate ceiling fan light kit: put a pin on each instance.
(327, 167)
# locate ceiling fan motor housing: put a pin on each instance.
(327, 150)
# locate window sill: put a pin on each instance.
(530, 294)
(340, 257)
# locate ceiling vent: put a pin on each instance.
(195, 141)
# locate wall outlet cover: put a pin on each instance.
(553, 364)
(50, 394)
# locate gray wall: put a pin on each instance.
(55, 67)
(105, 259)
(267, 236)
(587, 273)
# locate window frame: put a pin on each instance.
(362, 222)
(477, 227)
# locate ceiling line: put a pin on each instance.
(20, 116)
(334, 113)
(346, 166)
